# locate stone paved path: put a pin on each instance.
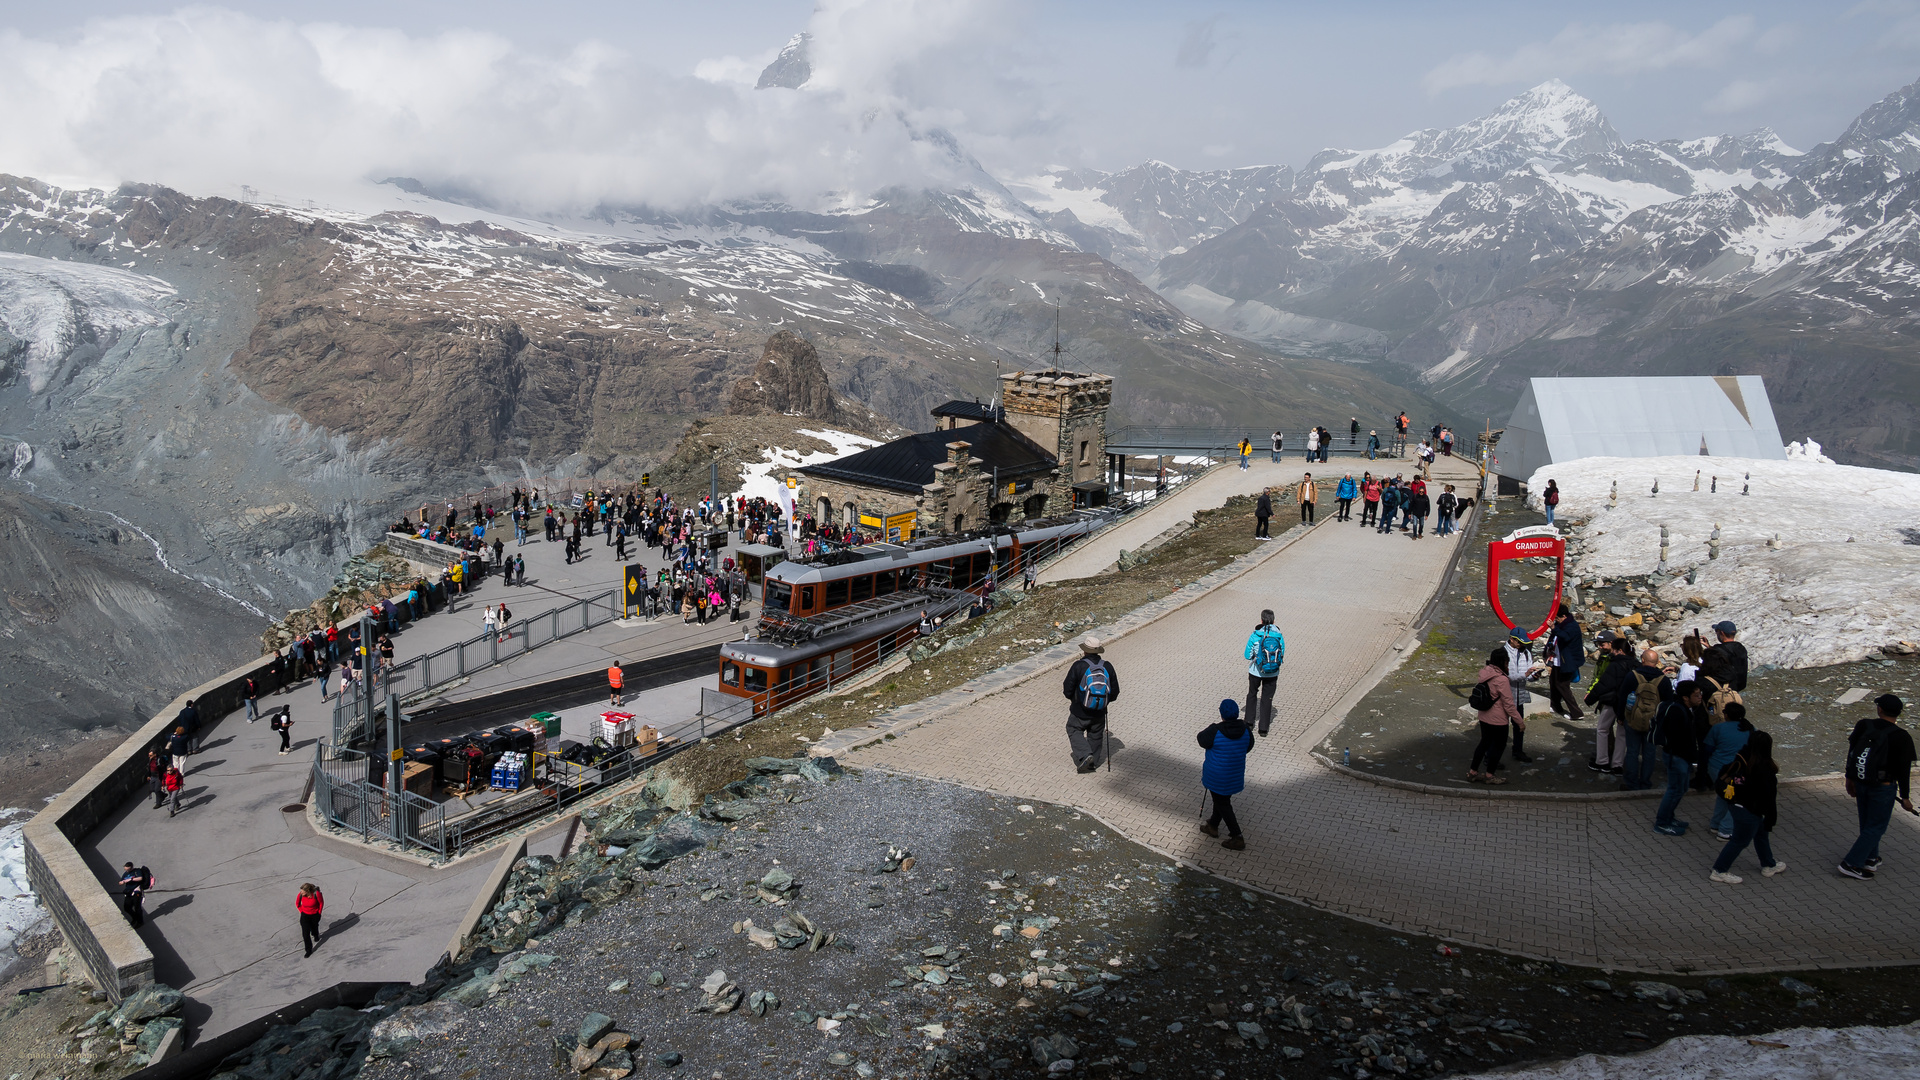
(1582, 882)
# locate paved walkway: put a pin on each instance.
(1580, 882)
(1211, 489)
(223, 927)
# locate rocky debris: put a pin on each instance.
(147, 1003)
(1052, 1050)
(898, 858)
(721, 996)
(367, 578)
(788, 381)
(403, 1030)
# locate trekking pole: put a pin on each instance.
(1106, 744)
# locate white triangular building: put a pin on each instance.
(1633, 416)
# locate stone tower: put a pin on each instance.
(1066, 412)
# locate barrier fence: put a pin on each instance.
(423, 674)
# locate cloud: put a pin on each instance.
(1616, 48)
(1740, 95)
(1197, 46)
(206, 99)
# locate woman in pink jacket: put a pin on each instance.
(1494, 720)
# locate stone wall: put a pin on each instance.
(1061, 410)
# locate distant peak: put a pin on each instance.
(792, 68)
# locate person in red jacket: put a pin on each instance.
(311, 904)
(172, 783)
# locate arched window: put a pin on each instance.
(1035, 506)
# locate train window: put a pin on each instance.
(756, 679)
(779, 596)
(842, 663)
(806, 599)
(883, 584)
(981, 563)
(836, 593)
(862, 588)
(729, 673)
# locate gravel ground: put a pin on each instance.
(953, 965)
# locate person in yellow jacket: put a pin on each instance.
(1304, 494)
(1246, 452)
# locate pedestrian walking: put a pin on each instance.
(1313, 444)
(1551, 500)
(1678, 727)
(1418, 506)
(1724, 741)
(1353, 431)
(1373, 444)
(1090, 686)
(156, 773)
(172, 782)
(1493, 704)
(1650, 688)
(326, 672)
(1028, 571)
(1444, 507)
(1279, 444)
(503, 619)
(615, 679)
(1566, 652)
(179, 745)
(1612, 682)
(1370, 500)
(1224, 773)
(1262, 514)
(190, 718)
(1750, 784)
(1266, 651)
(252, 691)
(135, 883)
(282, 722)
(1879, 770)
(1390, 496)
(1305, 494)
(1246, 453)
(490, 623)
(1347, 490)
(309, 903)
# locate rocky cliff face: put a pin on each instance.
(788, 381)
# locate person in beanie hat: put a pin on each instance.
(1091, 684)
(1225, 772)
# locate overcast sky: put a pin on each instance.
(570, 103)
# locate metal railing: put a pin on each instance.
(419, 676)
(348, 797)
(1224, 442)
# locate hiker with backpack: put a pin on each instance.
(1650, 688)
(1724, 667)
(1266, 651)
(1751, 785)
(1224, 774)
(1090, 686)
(1723, 743)
(1879, 769)
(1678, 726)
(1520, 666)
(1492, 700)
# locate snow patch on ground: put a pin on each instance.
(1845, 579)
(760, 480)
(1809, 1054)
(20, 911)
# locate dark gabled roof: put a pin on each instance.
(969, 410)
(907, 464)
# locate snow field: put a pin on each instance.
(1809, 1054)
(759, 480)
(1844, 580)
(20, 911)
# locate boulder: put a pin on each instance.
(788, 381)
(403, 1030)
(592, 1027)
(150, 1002)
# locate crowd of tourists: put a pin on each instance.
(1382, 499)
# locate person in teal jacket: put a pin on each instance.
(1348, 490)
(1225, 773)
(1266, 651)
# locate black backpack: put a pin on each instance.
(1867, 761)
(1482, 697)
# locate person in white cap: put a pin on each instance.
(1090, 686)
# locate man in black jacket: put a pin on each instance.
(1726, 662)
(1091, 684)
(1677, 730)
(1879, 772)
(1611, 685)
(1262, 512)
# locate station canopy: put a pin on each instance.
(1654, 416)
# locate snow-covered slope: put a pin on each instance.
(1843, 580)
(1793, 1054)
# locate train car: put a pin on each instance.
(827, 619)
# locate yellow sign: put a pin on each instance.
(900, 526)
(793, 482)
(396, 755)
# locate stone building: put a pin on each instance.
(1041, 451)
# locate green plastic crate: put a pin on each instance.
(549, 722)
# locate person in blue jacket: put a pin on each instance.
(1723, 743)
(1348, 490)
(1225, 771)
(1266, 651)
(1389, 502)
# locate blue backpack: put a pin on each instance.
(1270, 652)
(1093, 686)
